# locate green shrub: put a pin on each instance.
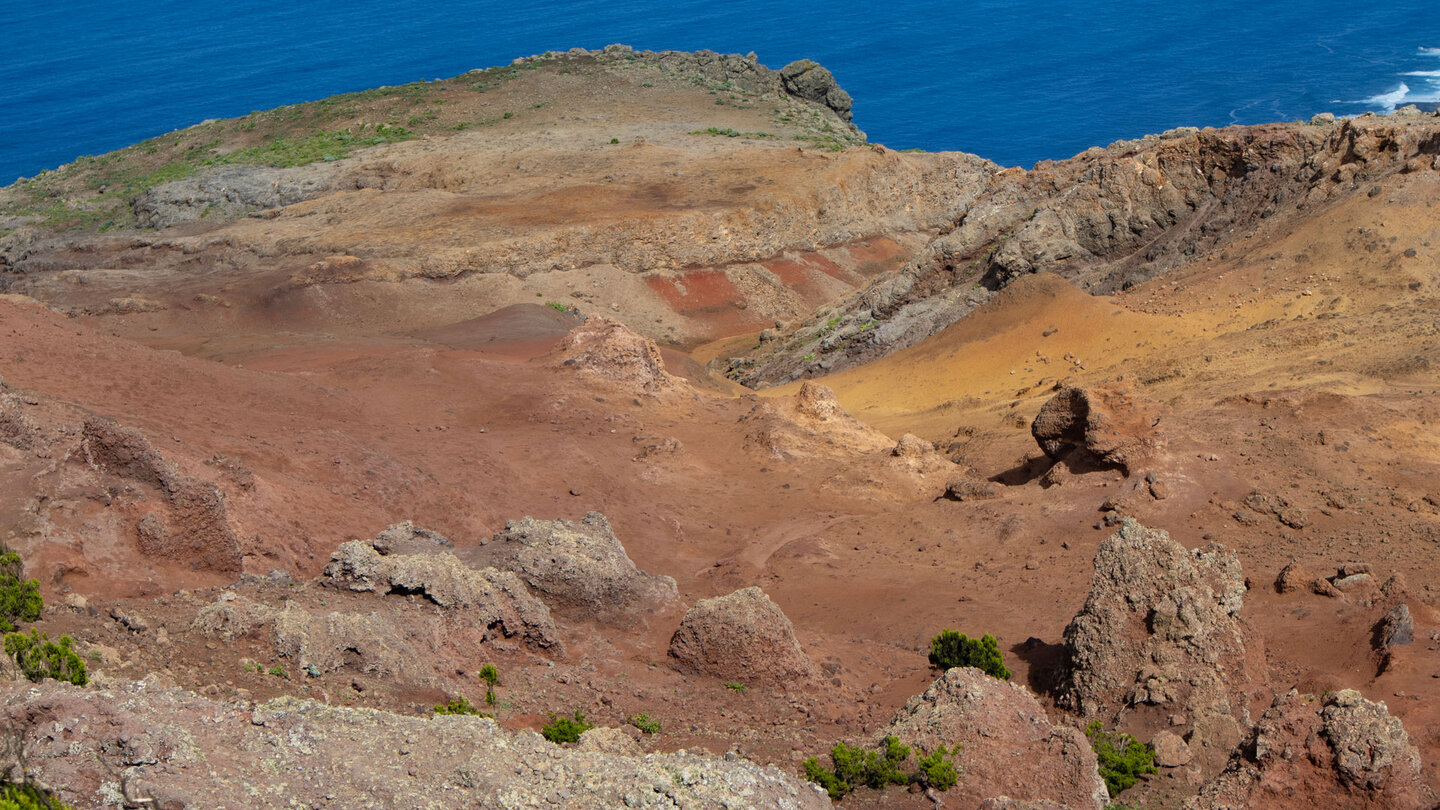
(1122, 757)
(737, 687)
(645, 723)
(565, 729)
(278, 671)
(19, 598)
(490, 676)
(39, 658)
(458, 706)
(28, 797)
(937, 770)
(951, 649)
(853, 766)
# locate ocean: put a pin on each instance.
(1015, 81)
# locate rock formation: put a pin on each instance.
(1106, 426)
(602, 349)
(193, 526)
(151, 745)
(1008, 747)
(741, 637)
(1161, 627)
(1344, 751)
(484, 598)
(579, 565)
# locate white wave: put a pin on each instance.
(1387, 101)
(1427, 74)
(1430, 51)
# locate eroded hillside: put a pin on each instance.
(286, 445)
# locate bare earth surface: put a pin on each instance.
(194, 419)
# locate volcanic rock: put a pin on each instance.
(742, 637)
(579, 565)
(1170, 749)
(1008, 746)
(194, 528)
(485, 597)
(1160, 626)
(1396, 628)
(1111, 426)
(147, 745)
(808, 80)
(1293, 577)
(407, 538)
(1350, 752)
(603, 349)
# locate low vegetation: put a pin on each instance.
(28, 797)
(458, 706)
(19, 597)
(951, 649)
(645, 723)
(565, 729)
(491, 676)
(852, 767)
(39, 658)
(1123, 759)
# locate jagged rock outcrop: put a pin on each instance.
(813, 423)
(146, 744)
(1107, 426)
(581, 566)
(1105, 219)
(227, 192)
(1008, 747)
(741, 637)
(1343, 752)
(193, 527)
(1161, 627)
(808, 80)
(483, 597)
(606, 351)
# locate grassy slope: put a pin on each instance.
(93, 192)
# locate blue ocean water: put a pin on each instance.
(1012, 80)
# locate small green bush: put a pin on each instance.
(937, 770)
(1122, 757)
(458, 706)
(565, 729)
(951, 649)
(645, 723)
(853, 767)
(19, 598)
(278, 671)
(737, 687)
(28, 797)
(489, 674)
(39, 658)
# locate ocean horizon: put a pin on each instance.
(1015, 82)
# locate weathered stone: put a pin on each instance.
(1109, 425)
(1347, 753)
(175, 749)
(743, 637)
(1160, 626)
(579, 565)
(1008, 746)
(1170, 750)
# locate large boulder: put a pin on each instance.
(579, 565)
(812, 82)
(1343, 752)
(146, 745)
(1008, 747)
(741, 637)
(1161, 628)
(1105, 426)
